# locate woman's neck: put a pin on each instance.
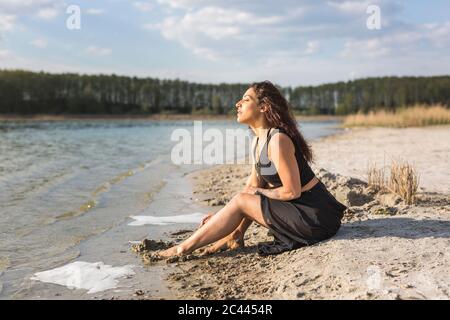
(261, 129)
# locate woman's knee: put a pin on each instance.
(236, 197)
(249, 206)
(243, 200)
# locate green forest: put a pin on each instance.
(25, 92)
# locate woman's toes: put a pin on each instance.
(204, 252)
(178, 250)
(168, 252)
(235, 244)
(231, 242)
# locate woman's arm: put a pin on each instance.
(277, 193)
(253, 180)
(283, 151)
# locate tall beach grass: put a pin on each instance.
(401, 178)
(416, 116)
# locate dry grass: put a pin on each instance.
(403, 180)
(376, 178)
(417, 116)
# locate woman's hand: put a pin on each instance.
(205, 219)
(250, 190)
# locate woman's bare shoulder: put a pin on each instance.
(281, 140)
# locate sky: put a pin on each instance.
(290, 42)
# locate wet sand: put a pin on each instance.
(385, 249)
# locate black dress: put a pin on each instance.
(314, 216)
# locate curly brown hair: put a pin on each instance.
(279, 114)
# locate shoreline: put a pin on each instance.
(385, 249)
(152, 117)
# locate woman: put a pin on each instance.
(281, 193)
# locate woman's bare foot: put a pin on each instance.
(233, 241)
(172, 251)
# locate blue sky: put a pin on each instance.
(289, 42)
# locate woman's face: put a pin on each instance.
(247, 108)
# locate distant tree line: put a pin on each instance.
(25, 92)
(371, 94)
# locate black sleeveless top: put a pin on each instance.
(266, 169)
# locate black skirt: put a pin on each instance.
(314, 216)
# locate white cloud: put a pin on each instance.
(98, 51)
(44, 9)
(200, 30)
(7, 22)
(312, 47)
(434, 34)
(234, 28)
(23, 6)
(47, 13)
(143, 6)
(438, 34)
(351, 7)
(417, 40)
(39, 43)
(404, 37)
(371, 48)
(5, 55)
(95, 11)
(152, 26)
(185, 4)
(206, 53)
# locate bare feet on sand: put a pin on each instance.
(171, 252)
(232, 241)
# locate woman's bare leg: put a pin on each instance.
(224, 222)
(232, 241)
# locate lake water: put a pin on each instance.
(68, 190)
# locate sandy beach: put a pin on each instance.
(385, 249)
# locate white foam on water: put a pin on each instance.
(188, 218)
(93, 277)
(134, 242)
